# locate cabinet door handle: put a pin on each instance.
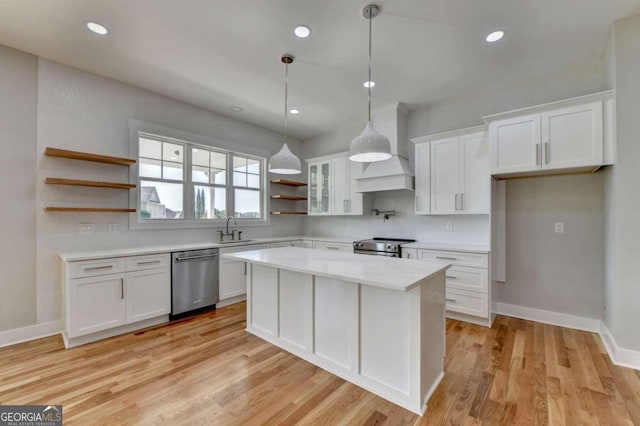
(537, 153)
(455, 202)
(547, 153)
(332, 248)
(97, 268)
(121, 288)
(245, 268)
(450, 300)
(453, 277)
(408, 255)
(462, 201)
(349, 206)
(151, 262)
(446, 258)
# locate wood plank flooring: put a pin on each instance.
(207, 371)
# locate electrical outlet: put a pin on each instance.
(449, 226)
(112, 227)
(559, 228)
(86, 228)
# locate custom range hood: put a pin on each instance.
(394, 173)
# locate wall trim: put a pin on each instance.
(620, 356)
(548, 317)
(32, 332)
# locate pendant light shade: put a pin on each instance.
(285, 162)
(370, 145)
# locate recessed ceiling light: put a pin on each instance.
(368, 84)
(302, 31)
(294, 111)
(495, 36)
(235, 109)
(97, 28)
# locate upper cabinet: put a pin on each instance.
(332, 186)
(569, 135)
(452, 173)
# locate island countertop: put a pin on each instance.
(377, 271)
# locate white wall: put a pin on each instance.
(17, 186)
(623, 216)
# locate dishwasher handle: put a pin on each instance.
(202, 256)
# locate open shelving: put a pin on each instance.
(97, 158)
(287, 197)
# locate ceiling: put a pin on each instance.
(223, 53)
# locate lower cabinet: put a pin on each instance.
(233, 273)
(467, 284)
(107, 293)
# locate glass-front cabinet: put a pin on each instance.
(319, 188)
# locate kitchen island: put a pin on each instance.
(375, 321)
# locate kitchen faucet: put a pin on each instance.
(233, 231)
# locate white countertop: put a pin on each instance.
(167, 248)
(448, 247)
(378, 271)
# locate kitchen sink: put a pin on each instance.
(232, 241)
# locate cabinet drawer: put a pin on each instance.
(321, 245)
(281, 244)
(93, 268)
(465, 278)
(467, 302)
(456, 258)
(140, 263)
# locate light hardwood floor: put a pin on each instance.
(207, 370)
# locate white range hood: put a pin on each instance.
(394, 173)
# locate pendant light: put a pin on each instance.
(285, 162)
(370, 145)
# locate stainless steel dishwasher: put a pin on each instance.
(194, 280)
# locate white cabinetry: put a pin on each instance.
(233, 274)
(103, 294)
(452, 173)
(467, 282)
(332, 186)
(302, 243)
(568, 135)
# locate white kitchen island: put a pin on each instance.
(375, 321)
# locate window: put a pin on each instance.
(181, 180)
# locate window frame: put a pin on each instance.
(190, 140)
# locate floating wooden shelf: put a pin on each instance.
(288, 182)
(288, 212)
(88, 209)
(93, 183)
(85, 156)
(288, 197)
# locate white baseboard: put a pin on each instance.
(32, 332)
(547, 317)
(619, 356)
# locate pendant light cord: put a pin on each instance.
(369, 81)
(286, 98)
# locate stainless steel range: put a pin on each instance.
(380, 246)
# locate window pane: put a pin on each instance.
(172, 152)
(253, 181)
(150, 168)
(239, 179)
(247, 203)
(150, 148)
(219, 177)
(200, 174)
(210, 202)
(218, 161)
(172, 171)
(239, 164)
(200, 157)
(160, 200)
(253, 166)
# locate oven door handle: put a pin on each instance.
(376, 253)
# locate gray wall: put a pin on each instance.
(550, 271)
(623, 214)
(17, 186)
